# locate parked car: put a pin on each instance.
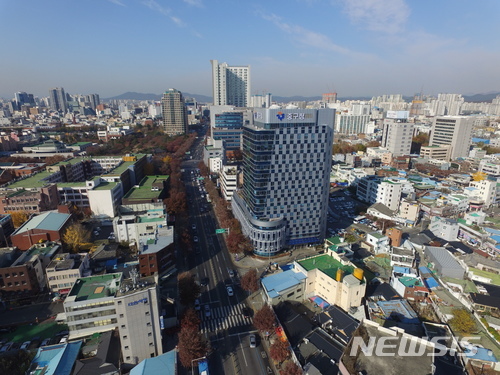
(25, 345)
(193, 227)
(197, 304)
(253, 341)
(230, 291)
(207, 311)
(195, 239)
(6, 347)
(45, 342)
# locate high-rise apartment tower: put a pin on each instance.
(58, 101)
(230, 84)
(174, 112)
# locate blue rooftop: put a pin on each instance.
(52, 221)
(399, 310)
(431, 282)
(481, 354)
(399, 269)
(56, 359)
(165, 364)
(275, 284)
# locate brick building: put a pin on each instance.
(48, 226)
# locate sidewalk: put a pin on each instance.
(250, 261)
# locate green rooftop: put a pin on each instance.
(326, 264)
(121, 168)
(410, 282)
(94, 287)
(144, 190)
(105, 185)
(335, 240)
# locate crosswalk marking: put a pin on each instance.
(224, 317)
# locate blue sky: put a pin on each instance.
(294, 47)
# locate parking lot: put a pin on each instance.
(343, 208)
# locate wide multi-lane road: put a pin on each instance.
(225, 319)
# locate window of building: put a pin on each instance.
(125, 337)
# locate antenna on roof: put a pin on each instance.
(134, 275)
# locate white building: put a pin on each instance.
(228, 181)
(409, 210)
(377, 243)
(104, 197)
(397, 133)
(484, 190)
(64, 270)
(454, 131)
(389, 194)
(490, 166)
(133, 228)
(230, 84)
(106, 302)
(446, 229)
(138, 319)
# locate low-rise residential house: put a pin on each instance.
(64, 270)
(381, 211)
(445, 264)
(409, 210)
(402, 257)
(475, 218)
(484, 191)
(411, 288)
(444, 228)
(376, 242)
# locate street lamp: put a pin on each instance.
(196, 359)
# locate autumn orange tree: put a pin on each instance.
(250, 281)
(264, 319)
(77, 238)
(291, 368)
(280, 351)
(191, 343)
(189, 289)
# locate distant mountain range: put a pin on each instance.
(284, 99)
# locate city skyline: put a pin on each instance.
(302, 47)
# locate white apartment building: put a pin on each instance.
(397, 133)
(228, 181)
(64, 270)
(389, 194)
(230, 84)
(454, 131)
(379, 152)
(490, 166)
(484, 190)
